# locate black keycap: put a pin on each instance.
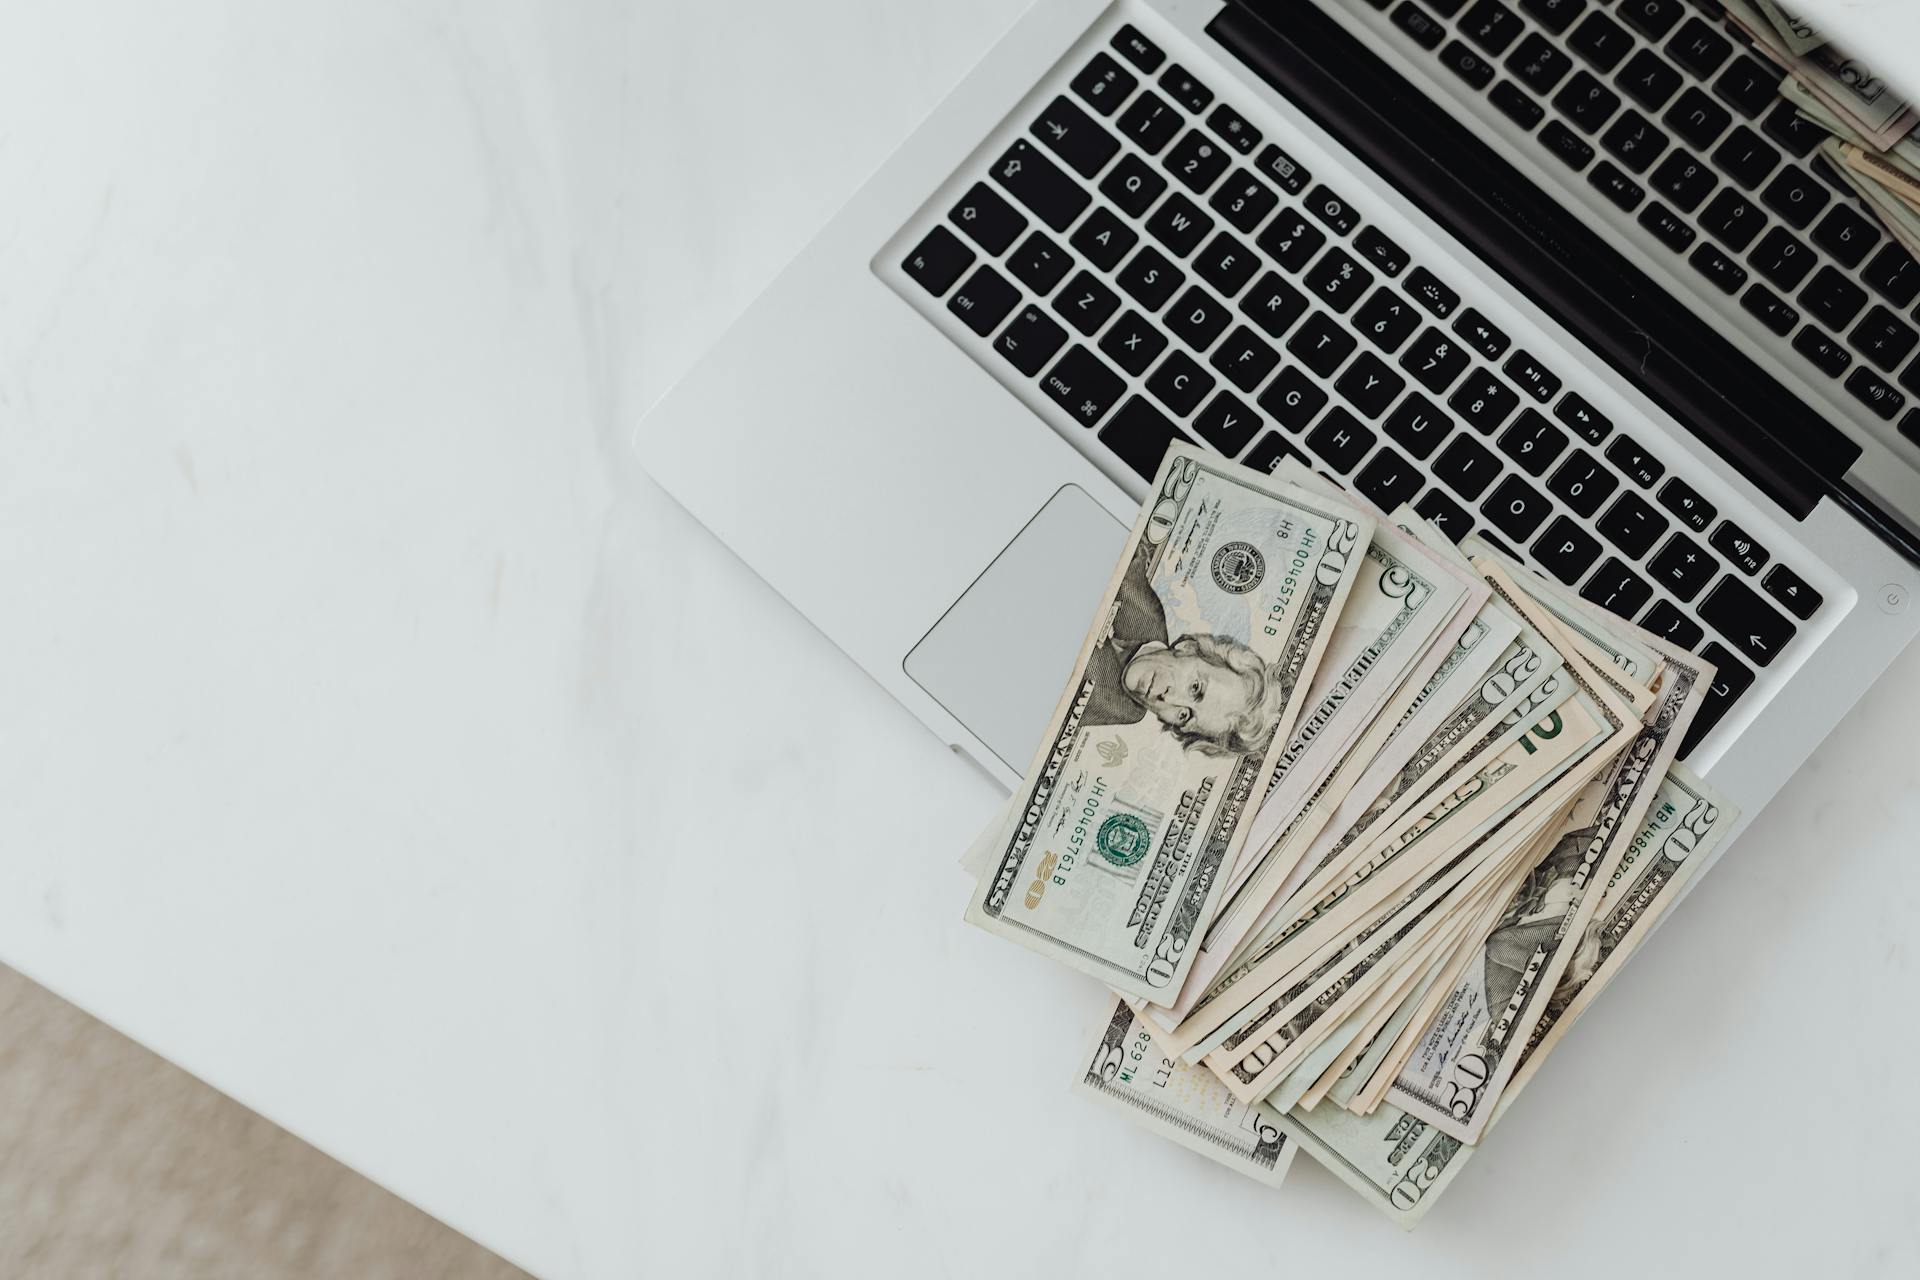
(1374, 246)
(1600, 40)
(1555, 15)
(1617, 589)
(1792, 591)
(1321, 344)
(1232, 128)
(1883, 338)
(1586, 101)
(986, 219)
(1426, 289)
(1418, 426)
(1910, 379)
(1084, 385)
(1491, 25)
(1682, 567)
(1337, 280)
(1280, 167)
(1698, 118)
(1832, 299)
(1771, 310)
(1756, 632)
(1516, 508)
(1566, 146)
(1104, 238)
(1484, 400)
(1566, 550)
(1386, 319)
(1273, 304)
(1538, 65)
(1730, 681)
(1683, 179)
(1243, 201)
(1328, 206)
(938, 260)
(984, 300)
(1846, 235)
(1465, 467)
(1795, 196)
(1893, 274)
(1673, 626)
(1616, 186)
(1515, 105)
(1792, 130)
(1185, 89)
(1086, 302)
(1533, 442)
(1826, 354)
(1424, 29)
(1140, 435)
(1631, 525)
(1679, 497)
(1667, 226)
(1227, 424)
(1103, 84)
(1369, 385)
(1340, 439)
(1470, 66)
(1446, 515)
(1133, 343)
(1873, 391)
(1149, 278)
(1388, 480)
(1075, 137)
(1272, 450)
(1531, 376)
(1723, 272)
(1179, 224)
(1648, 80)
(1651, 18)
(1582, 483)
(1292, 240)
(1198, 317)
(1699, 48)
(1733, 542)
(1481, 334)
(1029, 340)
(1293, 399)
(1244, 359)
(1149, 121)
(1910, 425)
(1588, 422)
(1197, 160)
(1041, 185)
(1180, 384)
(1226, 264)
(1132, 185)
(1137, 49)
(1781, 258)
(1635, 462)
(1435, 359)
(1746, 157)
(1750, 84)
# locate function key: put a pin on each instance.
(1532, 377)
(1639, 466)
(1232, 128)
(1184, 89)
(1679, 497)
(1770, 309)
(1592, 425)
(1426, 289)
(1723, 272)
(1667, 227)
(1566, 146)
(1139, 436)
(1826, 354)
(1736, 612)
(986, 219)
(1423, 27)
(1732, 679)
(1515, 105)
(1283, 169)
(1103, 84)
(1137, 49)
(1468, 65)
(1673, 626)
(1733, 542)
(1150, 122)
(1071, 134)
(1481, 334)
(1380, 251)
(1750, 85)
(1873, 391)
(1084, 386)
(1331, 209)
(938, 260)
(1039, 184)
(1791, 590)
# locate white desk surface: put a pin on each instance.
(380, 745)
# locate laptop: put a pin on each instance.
(1564, 273)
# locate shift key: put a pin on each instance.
(1041, 185)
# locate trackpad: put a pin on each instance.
(1000, 656)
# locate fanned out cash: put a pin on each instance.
(1352, 822)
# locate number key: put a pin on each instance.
(1582, 483)
(1435, 359)
(1484, 400)
(1533, 442)
(1337, 280)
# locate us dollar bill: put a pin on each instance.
(1397, 1162)
(1182, 695)
(1795, 32)
(1184, 1104)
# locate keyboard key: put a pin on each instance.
(1244, 359)
(1651, 18)
(1588, 422)
(1226, 264)
(1227, 424)
(1465, 467)
(1386, 319)
(1532, 377)
(1893, 274)
(1435, 359)
(1699, 48)
(1180, 384)
(1910, 425)
(1824, 353)
(1792, 130)
(984, 300)
(1832, 299)
(1491, 25)
(1075, 137)
(1601, 41)
(1732, 218)
(1184, 89)
(1272, 450)
(1516, 508)
(1781, 258)
(1723, 272)
(1197, 160)
(1538, 65)
(1232, 128)
(1369, 385)
(1337, 280)
(1468, 65)
(1515, 105)
(1137, 49)
(1648, 80)
(1792, 591)
(1140, 435)
(986, 219)
(938, 260)
(1795, 196)
(1846, 235)
(1426, 289)
(1341, 440)
(1566, 146)
(1587, 102)
(1042, 186)
(1533, 442)
(1616, 186)
(1150, 121)
(1666, 226)
(1331, 209)
(1734, 610)
(1446, 515)
(1198, 317)
(1133, 343)
(1771, 309)
(1280, 167)
(1555, 15)
(1484, 400)
(1730, 681)
(1481, 334)
(1582, 483)
(1617, 588)
(1679, 497)
(1086, 302)
(1293, 399)
(1103, 84)
(1871, 390)
(1746, 158)
(1673, 626)
(1636, 463)
(1321, 344)
(1179, 224)
(1029, 340)
(1422, 27)
(1244, 201)
(1388, 480)
(1150, 279)
(1698, 118)
(1684, 179)
(1566, 550)
(1631, 525)
(1084, 386)
(1883, 338)
(1750, 84)
(1682, 567)
(1104, 238)
(1733, 542)
(1634, 140)
(1292, 240)
(1132, 185)
(1377, 249)
(1417, 426)
(1273, 304)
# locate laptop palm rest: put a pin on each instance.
(999, 656)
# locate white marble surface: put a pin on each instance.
(379, 744)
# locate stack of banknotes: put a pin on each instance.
(1872, 144)
(1352, 823)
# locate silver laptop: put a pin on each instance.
(1565, 274)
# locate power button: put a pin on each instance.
(1893, 599)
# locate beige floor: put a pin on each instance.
(114, 1163)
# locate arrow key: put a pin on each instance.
(987, 220)
(1755, 631)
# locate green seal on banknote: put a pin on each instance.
(1123, 840)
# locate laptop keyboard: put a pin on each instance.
(1671, 114)
(1160, 272)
